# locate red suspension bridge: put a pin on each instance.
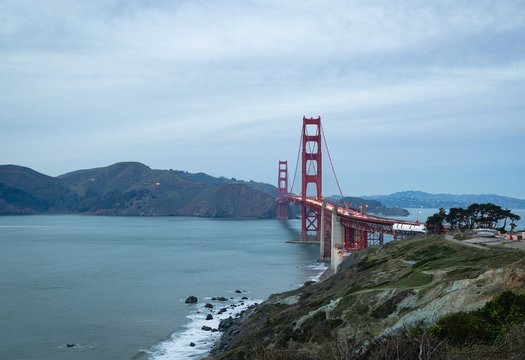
(338, 228)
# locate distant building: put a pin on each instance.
(520, 235)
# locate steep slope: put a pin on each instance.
(16, 201)
(377, 293)
(202, 178)
(33, 191)
(232, 200)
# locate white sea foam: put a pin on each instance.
(178, 345)
(318, 269)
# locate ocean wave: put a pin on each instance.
(318, 269)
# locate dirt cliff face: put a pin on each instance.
(379, 292)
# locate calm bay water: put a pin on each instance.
(115, 286)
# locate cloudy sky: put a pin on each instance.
(413, 95)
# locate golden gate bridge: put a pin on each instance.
(339, 229)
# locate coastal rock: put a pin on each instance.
(206, 328)
(229, 334)
(209, 306)
(226, 323)
(238, 291)
(209, 317)
(244, 298)
(192, 344)
(221, 298)
(223, 310)
(191, 300)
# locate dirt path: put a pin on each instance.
(488, 242)
(450, 238)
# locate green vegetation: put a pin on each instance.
(132, 188)
(483, 215)
(377, 288)
(497, 330)
(489, 324)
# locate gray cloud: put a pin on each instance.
(405, 89)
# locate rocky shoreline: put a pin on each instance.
(230, 329)
(226, 325)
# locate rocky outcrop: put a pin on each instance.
(191, 300)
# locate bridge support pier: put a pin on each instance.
(338, 233)
(323, 229)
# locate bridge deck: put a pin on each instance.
(316, 205)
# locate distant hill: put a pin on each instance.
(374, 206)
(415, 199)
(132, 188)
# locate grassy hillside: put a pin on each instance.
(377, 296)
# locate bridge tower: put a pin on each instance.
(282, 190)
(311, 174)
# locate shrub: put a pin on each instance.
(485, 325)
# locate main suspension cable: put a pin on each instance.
(333, 170)
(297, 162)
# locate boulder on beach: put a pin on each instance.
(191, 300)
(226, 323)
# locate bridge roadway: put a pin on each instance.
(357, 220)
(344, 231)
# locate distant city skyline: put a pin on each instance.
(413, 95)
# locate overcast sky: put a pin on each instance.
(413, 95)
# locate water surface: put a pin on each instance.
(114, 286)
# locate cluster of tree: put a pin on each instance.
(488, 216)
